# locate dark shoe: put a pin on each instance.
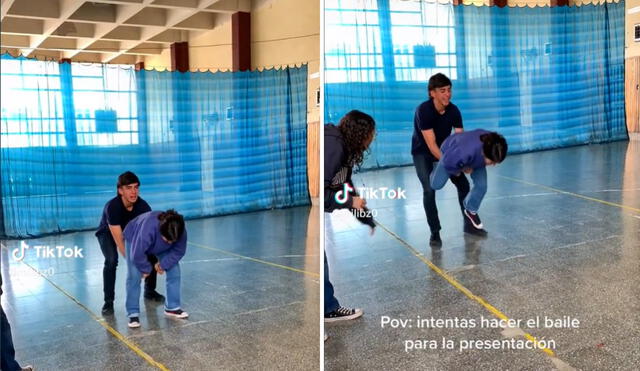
(154, 296)
(134, 322)
(342, 314)
(470, 229)
(473, 218)
(435, 240)
(107, 309)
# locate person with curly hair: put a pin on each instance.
(345, 146)
(433, 122)
(470, 153)
(163, 235)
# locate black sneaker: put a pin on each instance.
(154, 296)
(342, 314)
(473, 218)
(470, 229)
(435, 240)
(107, 309)
(134, 322)
(176, 313)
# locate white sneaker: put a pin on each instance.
(176, 313)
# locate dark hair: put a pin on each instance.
(356, 128)
(127, 178)
(494, 146)
(171, 225)
(439, 80)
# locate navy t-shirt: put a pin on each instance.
(427, 117)
(114, 213)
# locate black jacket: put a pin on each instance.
(336, 173)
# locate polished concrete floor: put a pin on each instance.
(564, 240)
(244, 314)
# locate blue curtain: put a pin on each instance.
(544, 77)
(203, 143)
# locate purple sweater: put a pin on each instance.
(143, 236)
(463, 150)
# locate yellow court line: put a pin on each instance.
(496, 312)
(312, 274)
(571, 193)
(102, 322)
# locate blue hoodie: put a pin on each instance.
(143, 236)
(463, 150)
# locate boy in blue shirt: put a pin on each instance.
(117, 213)
(161, 234)
(470, 152)
(433, 122)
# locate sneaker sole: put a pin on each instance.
(134, 325)
(344, 318)
(180, 316)
(478, 226)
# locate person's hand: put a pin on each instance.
(145, 275)
(359, 203)
(121, 250)
(467, 170)
(159, 268)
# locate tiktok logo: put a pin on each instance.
(18, 252)
(343, 195)
(45, 251)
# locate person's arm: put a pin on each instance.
(333, 164)
(177, 251)
(455, 162)
(141, 243)
(118, 237)
(114, 221)
(424, 122)
(430, 138)
(457, 125)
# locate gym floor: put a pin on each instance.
(563, 240)
(250, 283)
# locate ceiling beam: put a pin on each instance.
(173, 18)
(4, 7)
(67, 8)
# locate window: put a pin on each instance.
(100, 107)
(353, 50)
(31, 103)
(423, 40)
(417, 37)
(104, 99)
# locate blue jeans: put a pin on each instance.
(439, 177)
(6, 344)
(134, 278)
(424, 167)
(330, 301)
(110, 252)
